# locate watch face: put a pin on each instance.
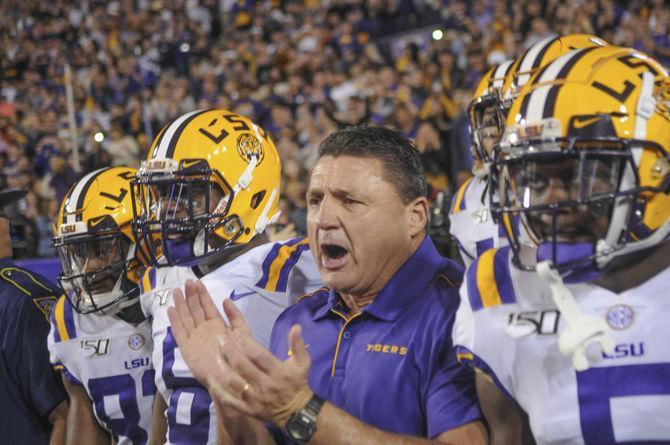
(301, 427)
(298, 430)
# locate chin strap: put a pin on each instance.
(104, 299)
(263, 220)
(581, 330)
(92, 301)
(659, 235)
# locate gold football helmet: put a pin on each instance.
(584, 162)
(538, 56)
(99, 256)
(211, 181)
(485, 114)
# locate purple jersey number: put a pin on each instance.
(120, 390)
(597, 386)
(188, 407)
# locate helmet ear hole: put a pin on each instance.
(257, 199)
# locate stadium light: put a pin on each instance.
(99, 137)
(438, 34)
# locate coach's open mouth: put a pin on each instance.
(333, 255)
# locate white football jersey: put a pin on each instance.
(507, 325)
(470, 220)
(111, 360)
(262, 282)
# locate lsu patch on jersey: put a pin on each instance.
(507, 325)
(262, 282)
(111, 360)
(471, 223)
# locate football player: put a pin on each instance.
(206, 194)
(571, 322)
(99, 337)
(471, 222)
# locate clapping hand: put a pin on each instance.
(238, 371)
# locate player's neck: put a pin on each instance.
(230, 254)
(132, 314)
(636, 269)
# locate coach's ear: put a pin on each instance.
(417, 215)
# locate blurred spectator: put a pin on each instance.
(435, 157)
(97, 157)
(123, 148)
(59, 179)
(539, 31)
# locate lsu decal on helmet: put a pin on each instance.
(584, 162)
(485, 114)
(211, 182)
(97, 249)
(538, 56)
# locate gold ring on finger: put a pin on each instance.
(244, 390)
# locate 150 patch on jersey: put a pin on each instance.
(526, 323)
(91, 348)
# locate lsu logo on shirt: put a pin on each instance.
(624, 350)
(137, 363)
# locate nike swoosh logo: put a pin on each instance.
(234, 296)
(95, 222)
(581, 123)
(188, 164)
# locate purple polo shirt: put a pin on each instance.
(392, 366)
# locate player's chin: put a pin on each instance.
(567, 232)
(102, 286)
(574, 239)
(567, 236)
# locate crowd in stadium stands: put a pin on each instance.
(300, 69)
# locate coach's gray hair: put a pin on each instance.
(401, 160)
